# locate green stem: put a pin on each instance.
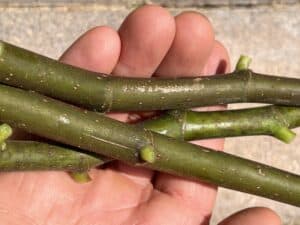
(30, 155)
(188, 125)
(96, 133)
(91, 90)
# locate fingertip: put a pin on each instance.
(149, 19)
(97, 50)
(270, 215)
(194, 40)
(199, 23)
(250, 216)
(146, 35)
(219, 61)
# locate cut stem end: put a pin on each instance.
(284, 134)
(80, 177)
(147, 154)
(5, 132)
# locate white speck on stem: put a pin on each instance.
(64, 119)
(206, 150)
(1, 49)
(197, 79)
(3, 146)
(260, 172)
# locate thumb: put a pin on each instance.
(253, 216)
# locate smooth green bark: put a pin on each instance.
(189, 125)
(31, 155)
(91, 90)
(96, 133)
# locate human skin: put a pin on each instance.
(150, 42)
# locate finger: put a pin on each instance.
(192, 48)
(146, 36)
(97, 50)
(253, 216)
(193, 43)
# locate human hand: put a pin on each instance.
(150, 42)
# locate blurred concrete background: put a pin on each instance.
(268, 31)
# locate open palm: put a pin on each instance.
(149, 42)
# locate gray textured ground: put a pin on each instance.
(270, 34)
(168, 3)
